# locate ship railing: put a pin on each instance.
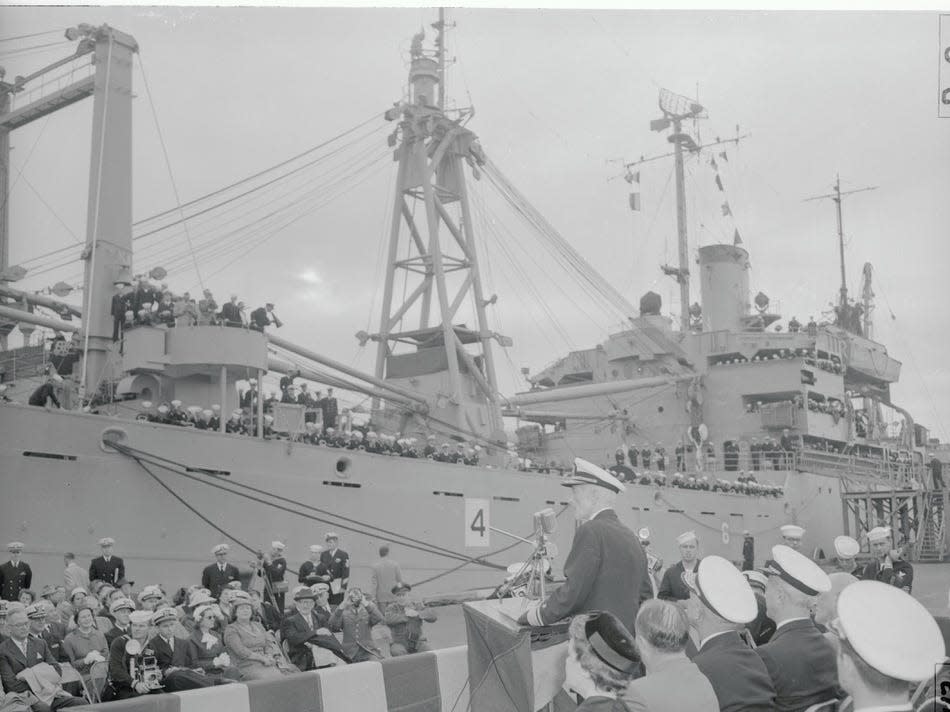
(897, 475)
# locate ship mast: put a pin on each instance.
(432, 246)
(836, 196)
(676, 109)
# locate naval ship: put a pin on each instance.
(720, 379)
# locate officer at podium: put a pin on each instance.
(606, 569)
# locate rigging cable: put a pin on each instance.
(168, 164)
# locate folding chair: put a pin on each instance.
(98, 675)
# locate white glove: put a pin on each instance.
(222, 660)
(412, 613)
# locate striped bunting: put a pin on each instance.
(424, 682)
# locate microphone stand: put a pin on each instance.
(538, 564)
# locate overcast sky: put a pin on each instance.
(560, 96)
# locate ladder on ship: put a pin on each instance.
(932, 532)
(917, 517)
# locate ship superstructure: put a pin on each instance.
(169, 492)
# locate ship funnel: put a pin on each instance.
(724, 286)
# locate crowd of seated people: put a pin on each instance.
(213, 632)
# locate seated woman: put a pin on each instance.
(253, 649)
(207, 645)
(86, 645)
(601, 661)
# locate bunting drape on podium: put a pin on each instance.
(507, 671)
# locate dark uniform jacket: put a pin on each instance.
(337, 564)
(111, 571)
(606, 570)
(181, 656)
(14, 579)
(672, 587)
(120, 681)
(901, 574)
(297, 633)
(12, 662)
(738, 676)
(407, 631)
(802, 665)
(53, 635)
(114, 632)
(311, 573)
(213, 579)
(763, 627)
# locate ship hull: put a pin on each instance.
(61, 490)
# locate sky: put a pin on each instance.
(562, 98)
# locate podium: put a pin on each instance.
(514, 668)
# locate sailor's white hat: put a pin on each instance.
(140, 617)
(194, 409)
(216, 408)
(120, 603)
(107, 541)
(724, 590)
(846, 547)
(163, 615)
(146, 404)
(176, 403)
(277, 545)
(792, 531)
(644, 534)
(686, 537)
(15, 547)
(221, 549)
(316, 548)
(163, 409)
(890, 630)
(797, 570)
(587, 473)
(207, 413)
(756, 579)
(879, 533)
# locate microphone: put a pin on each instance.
(546, 521)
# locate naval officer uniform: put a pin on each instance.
(15, 575)
(723, 600)
(606, 569)
(107, 567)
(217, 576)
(800, 660)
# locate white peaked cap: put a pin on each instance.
(879, 533)
(846, 547)
(890, 630)
(140, 617)
(176, 403)
(316, 548)
(724, 589)
(797, 570)
(792, 531)
(220, 549)
(587, 473)
(756, 578)
(107, 541)
(686, 537)
(277, 545)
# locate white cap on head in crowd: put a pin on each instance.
(643, 534)
(107, 541)
(792, 531)
(176, 403)
(686, 538)
(35, 611)
(140, 617)
(879, 534)
(220, 549)
(797, 570)
(846, 547)
(15, 547)
(890, 630)
(200, 597)
(163, 615)
(331, 535)
(77, 591)
(120, 603)
(587, 473)
(724, 590)
(279, 545)
(316, 549)
(320, 587)
(152, 591)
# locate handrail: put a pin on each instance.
(895, 473)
